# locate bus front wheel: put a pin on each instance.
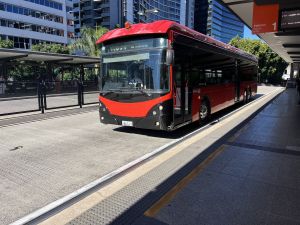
(204, 112)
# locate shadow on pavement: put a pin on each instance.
(183, 130)
(144, 220)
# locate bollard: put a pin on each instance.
(42, 96)
(79, 93)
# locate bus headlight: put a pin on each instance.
(157, 123)
(160, 107)
(102, 118)
(154, 113)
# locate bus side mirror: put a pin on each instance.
(170, 57)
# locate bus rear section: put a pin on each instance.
(208, 78)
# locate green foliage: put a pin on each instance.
(271, 65)
(25, 72)
(6, 43)
(87, 42)
(51, 48)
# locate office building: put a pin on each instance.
(214, 19)
(91, 13)
(180, 11)
(29, 22)
(113, 13)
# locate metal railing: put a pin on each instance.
(29, 96)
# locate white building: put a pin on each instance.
(28, 22)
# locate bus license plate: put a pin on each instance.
(127, 123)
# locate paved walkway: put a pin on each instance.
(59, 152)
(125, 199)
(255, 180)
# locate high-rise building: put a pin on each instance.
(28, 22)
(112, 13)
(214, 19)
(92, 13)
(180, 11)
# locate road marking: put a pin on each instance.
(151, 212)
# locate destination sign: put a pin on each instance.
(290, 19)
(135, 45)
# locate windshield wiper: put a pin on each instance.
(143, 92)
(125, 90)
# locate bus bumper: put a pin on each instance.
(158, 118)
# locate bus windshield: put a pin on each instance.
(138, 70)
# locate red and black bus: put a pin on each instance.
(163, 75)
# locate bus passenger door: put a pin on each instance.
(179, 95)
(237, 82)
(183, 94)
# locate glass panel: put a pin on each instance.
(144, 71)
(18, 96)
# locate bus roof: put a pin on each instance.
(163, 27)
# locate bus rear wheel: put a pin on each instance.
(250, 96)
(204, 112)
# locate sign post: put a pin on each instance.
(265, 18)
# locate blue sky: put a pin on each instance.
(248, 33)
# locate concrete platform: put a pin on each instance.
(123, 201)
(254, 180)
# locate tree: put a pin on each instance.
(6, 43)
(87, 42)
(51, 48)
(271, 65)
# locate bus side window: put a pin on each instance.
(219, 76)
(202, 79)
(210, 76)
(228, 75)
(194, 77)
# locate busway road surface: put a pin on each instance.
(45, 160)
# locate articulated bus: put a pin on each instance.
(163, 75)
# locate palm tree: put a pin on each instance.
(87, 42)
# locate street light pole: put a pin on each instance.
(145, 12)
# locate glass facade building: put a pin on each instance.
(214, 19)
(180, 11)
(206, 16)
(28, 22)
(105, 13)
(114, 13)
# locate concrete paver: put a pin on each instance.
(127, 200)
(255, 180)
(46, 160)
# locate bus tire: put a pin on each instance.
(204, 113)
